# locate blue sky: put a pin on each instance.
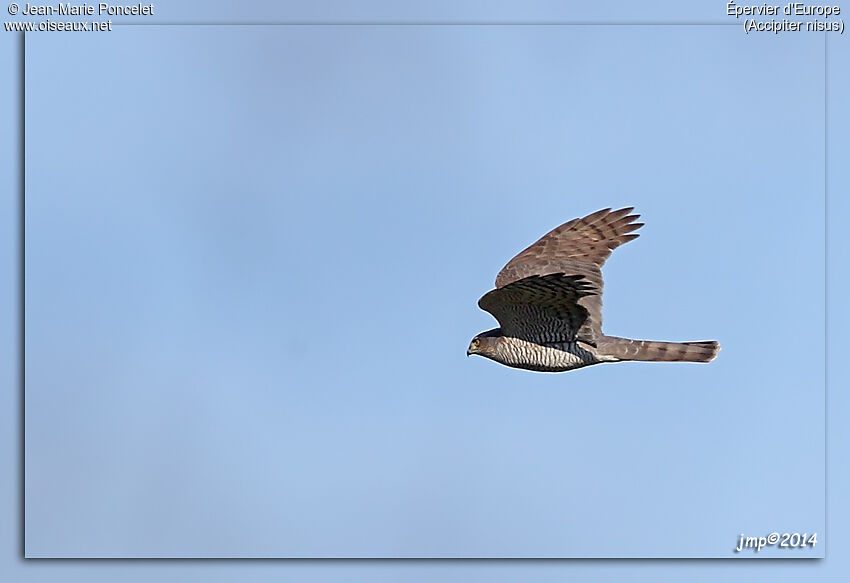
(194, 229)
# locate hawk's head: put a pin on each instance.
(485, 343)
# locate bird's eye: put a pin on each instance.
(476, 342)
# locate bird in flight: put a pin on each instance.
(548, 301)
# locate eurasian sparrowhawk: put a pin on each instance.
(548, 301)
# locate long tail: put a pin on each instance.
(626, 349)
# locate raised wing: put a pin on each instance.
(541, 309)
(578, 247)
(576, 243)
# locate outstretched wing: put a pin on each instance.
(540, 309)
(578, 247)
